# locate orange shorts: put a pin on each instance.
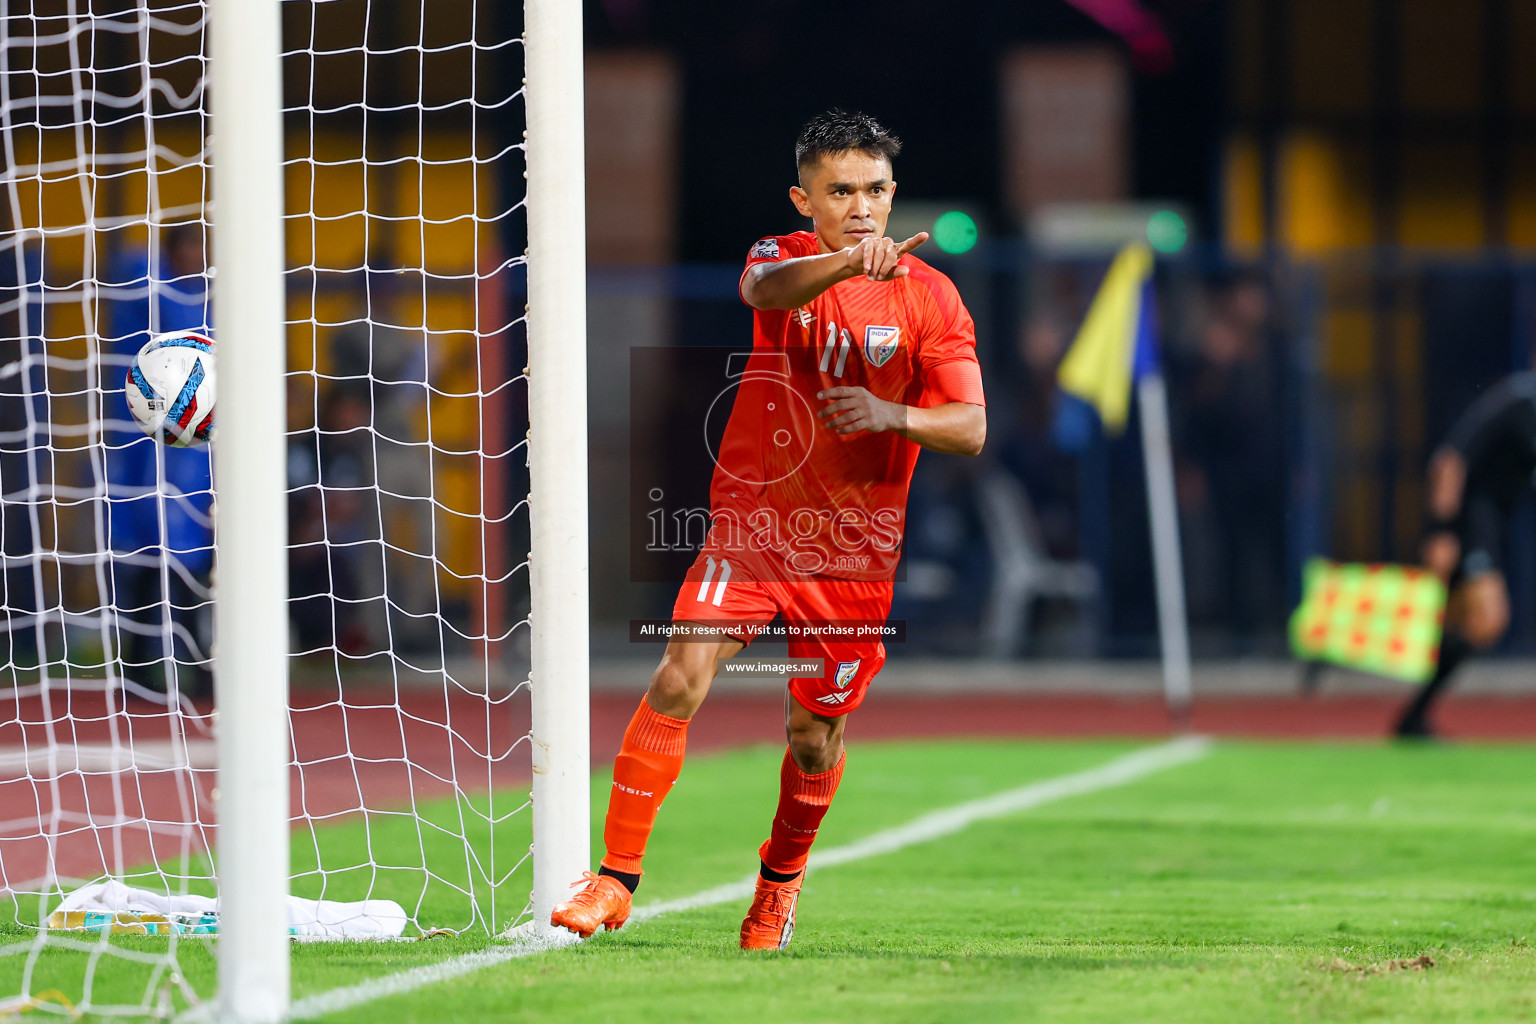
(742, 595)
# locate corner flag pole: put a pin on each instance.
(1115, 348)
(1167, 560)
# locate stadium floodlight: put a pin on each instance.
(954, 228)
(954, 232)
(392, 514)
(1083, 230)
(1167, 231)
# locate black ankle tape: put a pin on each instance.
(776, 876)
(629, 881)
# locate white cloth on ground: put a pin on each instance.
(330, 919)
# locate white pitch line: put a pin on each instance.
(936, 825)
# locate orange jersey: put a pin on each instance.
(826, 503)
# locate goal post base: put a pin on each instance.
(537, 936)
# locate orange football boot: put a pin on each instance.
(770, 921)
(603, 902)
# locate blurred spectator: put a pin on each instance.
(363, 576)
(942, 586)
(159, 497)
(328, 478)
(1025, 426)
(1230, 445)
(315, 617)
(20, 409)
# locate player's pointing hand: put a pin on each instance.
(877, 258)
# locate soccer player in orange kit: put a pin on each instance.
(861, 355)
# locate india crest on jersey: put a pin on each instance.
(880, 344)
(846, 670)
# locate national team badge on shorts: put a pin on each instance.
(880, 344)
(846, 670)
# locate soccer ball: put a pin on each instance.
(170, 388)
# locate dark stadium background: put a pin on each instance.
(753, 73)
(1357, 180)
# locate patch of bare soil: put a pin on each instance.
(1422, 962)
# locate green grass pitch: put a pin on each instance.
(1266, 882)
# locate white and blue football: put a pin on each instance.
(170, 387)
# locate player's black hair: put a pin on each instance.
(838, 131)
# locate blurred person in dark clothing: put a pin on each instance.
(1029, 447)
(313, 584)
(160, 498)
(946, 563)
(22, 419)
(361, 565)
(380, 441)
(330, 479)
(1232, 461)
(1487, 461)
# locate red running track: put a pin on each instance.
(112, 812)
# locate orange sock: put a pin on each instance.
(647, 766)
(803, 802)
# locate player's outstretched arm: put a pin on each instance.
(955, 428)
(792, 283)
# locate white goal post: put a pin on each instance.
(400, 696)
(250, 671)
(557, 413)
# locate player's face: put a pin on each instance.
(848, 198)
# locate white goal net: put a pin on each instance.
(408, 518)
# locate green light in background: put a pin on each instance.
(1167, 231)
(954, 232)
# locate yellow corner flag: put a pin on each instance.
(1097, 368)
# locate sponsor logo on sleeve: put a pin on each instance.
(767, 249)
(880, 344)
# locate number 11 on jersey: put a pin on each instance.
(842, 351)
